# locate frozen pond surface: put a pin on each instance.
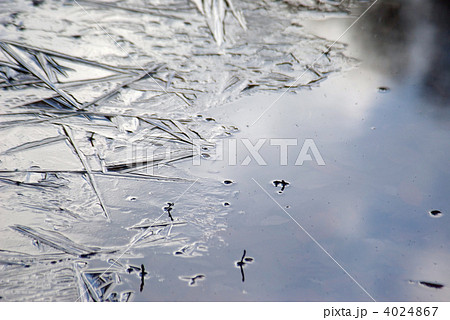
(102, 104)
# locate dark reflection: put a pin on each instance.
(193, 280)
(409, 40)
(244, 260)
(437, 80)
(431, 285)
(130, 269)
(384, 34)
(91, 139)
(435, 213)
(281, 183)
(142, 274)
(383, 89)
(168, 209)
(37, 2)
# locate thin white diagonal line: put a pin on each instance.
(316, 242)
(121, 48)
(186, 190)
(311, 65)
(139, 238)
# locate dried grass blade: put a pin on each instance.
(71, 58)
(24, 62)
(34, 144)
(86, 166)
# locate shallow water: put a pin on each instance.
(386, 155)
(107, 222)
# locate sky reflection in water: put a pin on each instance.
(386, 154)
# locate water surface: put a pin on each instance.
(101, 195)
